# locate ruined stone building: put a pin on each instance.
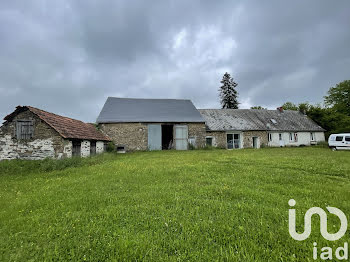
(31, 133)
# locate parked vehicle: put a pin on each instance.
(339, 141)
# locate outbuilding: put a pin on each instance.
(152, 124)
(32, 133)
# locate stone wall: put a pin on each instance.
(46, 142)
(198, 132)
(131, 135)
(134, 136)
(99, 147)
(85, 148)
(248, 138)
(68, 147)
(219, 138)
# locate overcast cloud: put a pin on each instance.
(67, 57)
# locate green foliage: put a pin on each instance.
(336, 117)
(339, 97)
(228, 93)
(290, 106)
(111, 147)
(202, 205)
(257, 107)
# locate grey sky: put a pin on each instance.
(67, 57)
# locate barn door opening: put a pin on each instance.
(167, 136)
(154, 137)
(181, 137)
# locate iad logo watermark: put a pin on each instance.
(341, 253)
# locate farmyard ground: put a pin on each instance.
(170, 206)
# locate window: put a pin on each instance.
(233, 141)
(236, 141)
(76, 148)
(273, 121)
(24, 129)
(290, 136)
(92, 148)
(339, 138)
(280, 137)
(209, 141)
(120, 149)
(270, 137)
(347, 138)
(296, 137)
(312, 136)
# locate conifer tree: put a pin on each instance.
(228, 93)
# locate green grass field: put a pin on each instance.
(206, 205)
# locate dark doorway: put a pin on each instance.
(167, 137)
(76, 150)
(92, 148)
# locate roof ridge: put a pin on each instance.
(66, 127)
(134, 98)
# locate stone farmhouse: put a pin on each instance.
(253, 128)
(31, 133)
(152, 124)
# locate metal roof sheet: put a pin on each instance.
(118, 110)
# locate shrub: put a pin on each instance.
(110, 147)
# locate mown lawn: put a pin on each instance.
(209, 205)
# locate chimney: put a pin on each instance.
(280, 109)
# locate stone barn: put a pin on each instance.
(31, 133)
(152, 124)
(254, 128)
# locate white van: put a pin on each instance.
(339, 141)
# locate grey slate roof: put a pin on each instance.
(122, 110)
(256, 119)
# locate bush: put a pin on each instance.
(110, 147)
